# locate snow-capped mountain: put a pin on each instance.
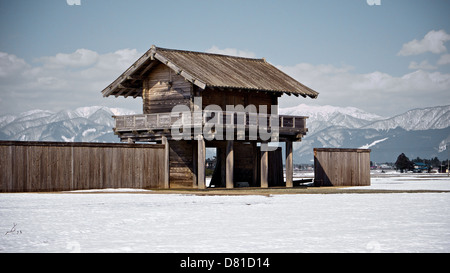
(421, 132)
(321, 117)
(417, 119)
(84, 124)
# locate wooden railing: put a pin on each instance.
(161, 121)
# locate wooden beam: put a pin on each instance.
(120, 91)
(289, 165)
(129, 93)
(161, 58)
(264, 166)
(174, 67)
(194, 164)
(166, 162)
(201, 162)
(134, 78)
(255, 164)
(193, 80)
(150, 66)
(229, 165)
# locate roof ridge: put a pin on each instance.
(207, 53)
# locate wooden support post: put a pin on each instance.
(194, 164)
(166, 162)
(223, 169)
(255, 164)
(229, 165)
(201, 162)
(289, 165)
(264, 166)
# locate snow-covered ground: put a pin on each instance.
(136, 221)
(408, 181)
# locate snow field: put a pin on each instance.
(137, 222)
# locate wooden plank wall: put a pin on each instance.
(164, 89)
(181, 154)
(223, 98)
(341, 167)
(55, 166)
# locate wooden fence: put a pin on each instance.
(341, 167)
(60, 166)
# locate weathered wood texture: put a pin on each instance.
(209, 70)
(201, 162)
(222, 98)
(163, 89)
(341, 167)
(166, 168)
(274, 170)
(58, 166)
(264, 168)
(229, 165)
(181, 157)
(289, 165)
(150, 127)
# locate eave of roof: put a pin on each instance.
(208, 70)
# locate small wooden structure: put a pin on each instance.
(341, 167)
(195, 81)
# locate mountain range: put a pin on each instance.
(84, 124)
(421, 132)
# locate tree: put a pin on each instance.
(403, 163)
(435, 162)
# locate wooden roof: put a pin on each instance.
(208, 70)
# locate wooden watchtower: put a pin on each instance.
(195, 81)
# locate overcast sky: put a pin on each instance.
(384, 59)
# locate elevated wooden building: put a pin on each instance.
(194, 82)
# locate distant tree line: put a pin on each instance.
(404, 164)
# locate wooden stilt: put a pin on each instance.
(166, 162)
(229, 165)
(264, 166)
(255, 165)
(201, 162)
(223, 167)
(289, 165)
(194, 164)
